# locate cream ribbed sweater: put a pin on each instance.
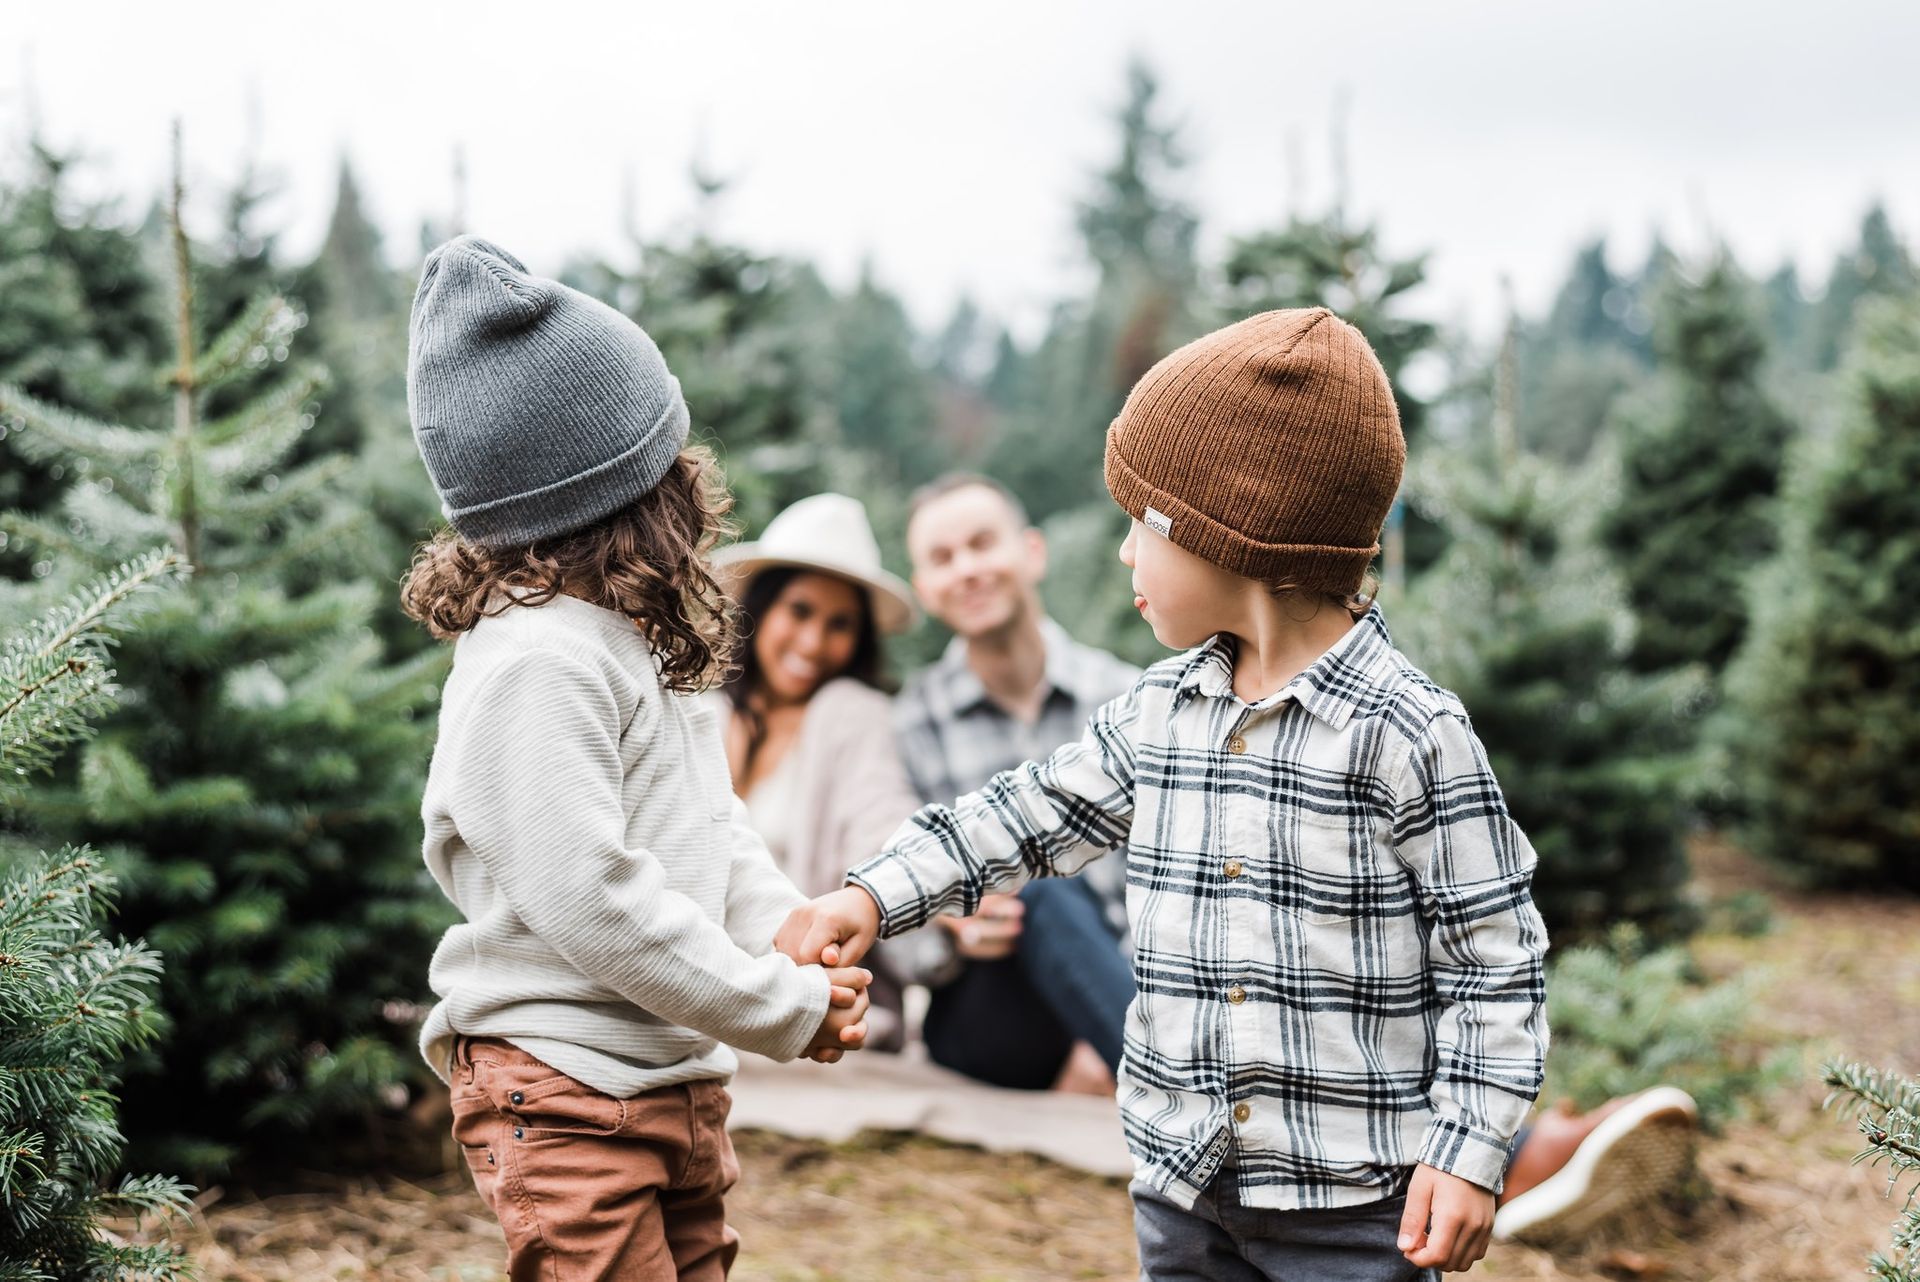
(619, 909)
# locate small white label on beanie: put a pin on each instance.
(1160, 523)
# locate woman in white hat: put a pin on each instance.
(808, 723)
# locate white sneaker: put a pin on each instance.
(1635, 1154)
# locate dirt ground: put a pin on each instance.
(1780, 1201)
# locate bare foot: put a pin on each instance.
(1085, 1073)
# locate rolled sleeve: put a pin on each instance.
(1041, 819)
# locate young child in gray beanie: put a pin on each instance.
(618, 909)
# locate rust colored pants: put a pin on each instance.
(587, 1186)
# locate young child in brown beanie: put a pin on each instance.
(1340, 1022)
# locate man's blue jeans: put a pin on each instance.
(1012, 1022)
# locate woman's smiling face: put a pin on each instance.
(807, 636)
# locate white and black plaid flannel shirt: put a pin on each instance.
(953, 737)
(1338, 956)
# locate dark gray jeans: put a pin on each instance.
(1220, 1240)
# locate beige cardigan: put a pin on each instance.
(854, 792)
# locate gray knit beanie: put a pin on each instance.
(538, 410)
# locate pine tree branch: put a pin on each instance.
(302, 483)
(263, 436)
(87, 611)
(254, 341)
(46, 537)
(66, 670)
(49, 434)
(57, 669)
(285, 401)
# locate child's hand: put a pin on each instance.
(845, 1027)
(836, 929)
(1448, 1221)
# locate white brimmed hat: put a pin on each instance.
(828, 533)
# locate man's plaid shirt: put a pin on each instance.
(1338, 957)
(954, 737)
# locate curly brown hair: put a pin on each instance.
(647, 561)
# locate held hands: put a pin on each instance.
(845, 1027)
(836, 929)
(1448, 1221)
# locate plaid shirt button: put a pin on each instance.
(1233, 868)
(1236, 994)
(1237, 745)
(1242, 1111)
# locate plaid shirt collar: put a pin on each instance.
(965, 691)
(1345, 680)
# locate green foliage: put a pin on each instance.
(258, 791)
(1058, 399)
(73, 1004)
(1700, 460)
(1887, 1111)
(1820, 744)
(1327, 262)
(1625, 1019)
(54, 675)
(742, 333)
(1523, 620)
(884, 397)
(357, 307)
(79, 316)
(1879, 266)
(1592, 348)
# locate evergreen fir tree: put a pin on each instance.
(259, 797)
(72, 1003)
(966, 354)
(1574, 366)
(1523, 619)
(1789, 321)
(1328, 262)
(1139, 239)
(741, 332)
(1820, 741)
(1700, 460)
(80, 318)
(357, 308)
(1878, 267)
(1887, 1111)
(884, 397)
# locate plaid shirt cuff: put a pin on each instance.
(900, 893)
(1477, 1156)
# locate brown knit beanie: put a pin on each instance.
(1271, 448)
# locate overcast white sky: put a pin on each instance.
(948, 142)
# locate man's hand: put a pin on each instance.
(1448, 1221)
(836, 929)
(991, 933)
(845, 1027)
